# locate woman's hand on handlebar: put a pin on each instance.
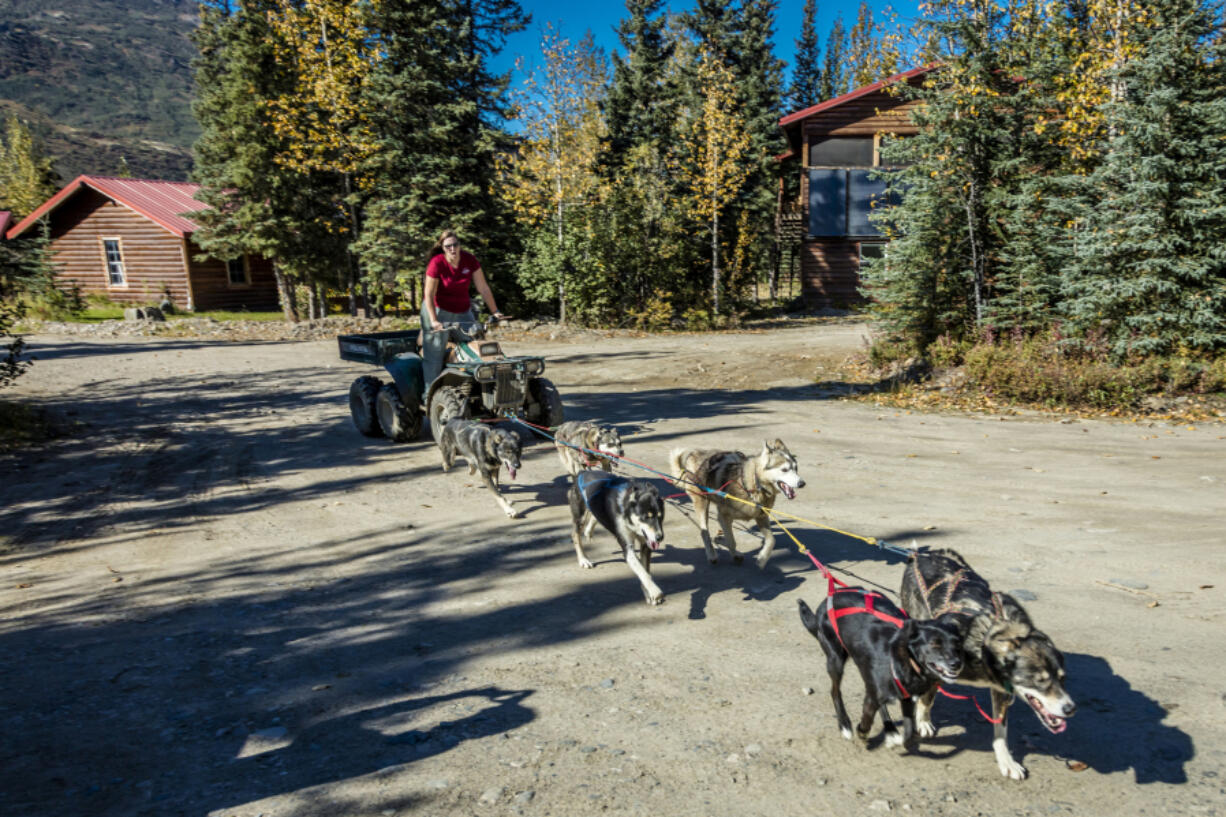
(498, 316)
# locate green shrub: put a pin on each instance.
(1041, 370)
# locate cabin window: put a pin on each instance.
(236, 271)
(114, 262)
(841, 151)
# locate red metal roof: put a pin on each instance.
(856, 94)
(163, 203)
(5, 218)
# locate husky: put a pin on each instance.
(1002, 649)
(757, 479)
(630, 509)
(485, 449)
(899, 658)
(581, 444)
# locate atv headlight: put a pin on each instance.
(484, 374)
(534, 367)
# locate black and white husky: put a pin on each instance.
(1002, 649)
(630, 509)
(486, 450)
(581, 444)
(757, 479)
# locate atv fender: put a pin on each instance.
(405, 369)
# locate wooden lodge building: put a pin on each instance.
(130, 240)
(823, 222)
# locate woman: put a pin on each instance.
(446, 299)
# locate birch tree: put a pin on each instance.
(718, 160)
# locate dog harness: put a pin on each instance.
(952, 580)
(869, 598)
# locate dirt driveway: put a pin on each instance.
(219, 599)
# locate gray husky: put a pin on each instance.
(757, 479)
(630, 509)
(581, 443)
(1002, 650)
(485, 449)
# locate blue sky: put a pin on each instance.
(602, 16)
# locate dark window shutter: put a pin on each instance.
(842, 151)
(827, 203)
(865, 196)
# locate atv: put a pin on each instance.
(478, 381)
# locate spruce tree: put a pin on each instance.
(1151, 247)
(437, 116)
(256, 205)
(834, 69)
(806, 88)
(641, 105)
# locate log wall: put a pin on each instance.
(152, 257)
(211, 287)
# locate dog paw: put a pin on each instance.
(845, 732)
(737, 558)
(655, 600)
(761, 562)
(586, 564)
(925, 729)
(1011, 769)
(893, 739)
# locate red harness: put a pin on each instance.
(834, 614)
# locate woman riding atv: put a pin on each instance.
(449, 275)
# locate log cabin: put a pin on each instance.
(131, 241)
(822, 222)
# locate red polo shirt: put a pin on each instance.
(453, 282)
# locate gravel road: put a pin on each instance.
(219, 599)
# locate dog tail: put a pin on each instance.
(674, 461)
(807, 617)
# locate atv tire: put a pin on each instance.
(362, 396)
(448, 403)
(544, 404)
(400, 422)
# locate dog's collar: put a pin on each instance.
(894, 674)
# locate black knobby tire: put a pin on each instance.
(545, 406)
(446, 404)
(401, 423)
(362, 396)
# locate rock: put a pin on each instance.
(525, 797)
(607, 683)
(753, 749)
(879, 805)
(1023, 595)
(807, 690)
(492, 795)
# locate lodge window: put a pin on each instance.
(113, 256)
(842, 151)
(841, 200)
(236, 272)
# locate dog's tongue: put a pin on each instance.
(510, 472)
(787, 490)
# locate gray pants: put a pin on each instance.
(434, 344)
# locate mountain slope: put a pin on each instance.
(101, 79)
